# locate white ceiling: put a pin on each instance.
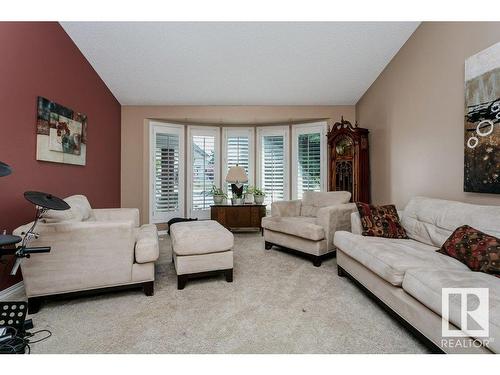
(253, 63)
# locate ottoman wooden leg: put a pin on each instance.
(340, 271)
(268, 245)
(34, 304)
(229, 275)
(181, 281)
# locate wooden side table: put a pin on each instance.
(241, 217)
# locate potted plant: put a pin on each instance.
(249, 190)
(258, 195)
(218, 194)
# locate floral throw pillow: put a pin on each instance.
(380, 221)
(477, 250)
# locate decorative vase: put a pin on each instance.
(218, 199)
(236, 201)
(259, 199)
(249, 198)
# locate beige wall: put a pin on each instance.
(415, 113)
(135, 142)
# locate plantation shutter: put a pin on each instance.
(309, 171)
(203, 171)
(273, 167)
(166, 200)
(237, 153)
(309, 163)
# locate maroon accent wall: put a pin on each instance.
(40, 59)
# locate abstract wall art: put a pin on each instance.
(61, 133)
(482, 122)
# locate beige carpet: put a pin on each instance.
(278, 303)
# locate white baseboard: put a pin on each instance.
(4, 294)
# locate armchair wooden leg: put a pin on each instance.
(149, 288)
(268, 245)
(317, 261)
(34, 304)
(181, 281)
(229, 275)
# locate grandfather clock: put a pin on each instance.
(349, 167)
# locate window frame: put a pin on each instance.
(283, 130)
(309, 128)
(201, 131)
(232, 132)
(165, 128)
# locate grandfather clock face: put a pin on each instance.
(344, 147)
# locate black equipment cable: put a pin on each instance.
(19, 342)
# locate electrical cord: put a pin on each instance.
(31, 334)
(19, 343)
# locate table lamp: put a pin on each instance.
(236, 177)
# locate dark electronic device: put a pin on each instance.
(14, 335)
(5, 170)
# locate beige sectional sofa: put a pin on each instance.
(407, 276)
(91, 249)
(307, 225)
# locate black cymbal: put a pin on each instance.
(5, 170)
(46, 200)
(8, 239)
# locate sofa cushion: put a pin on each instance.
(391, 258)
(432, 221)
(200, 237)
(477, 250)
(426, 284)
(146, 246)
(300, 226)
(380, 221)
(80, 210)
(313, 200)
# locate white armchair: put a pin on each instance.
(308, 225)
(91, 249)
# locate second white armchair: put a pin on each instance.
(308, 225)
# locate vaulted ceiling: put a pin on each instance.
(249, 63)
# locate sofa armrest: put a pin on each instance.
(117, 214)
(286, 208)
(335, 218)
(356, 227)
(147, 248)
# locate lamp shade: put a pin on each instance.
(236, 175)
(5, 170)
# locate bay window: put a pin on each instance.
(166, 172)
(273, 162)
(308, 158)
(238, 149)
(203, 169)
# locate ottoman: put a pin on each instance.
(201, 248)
